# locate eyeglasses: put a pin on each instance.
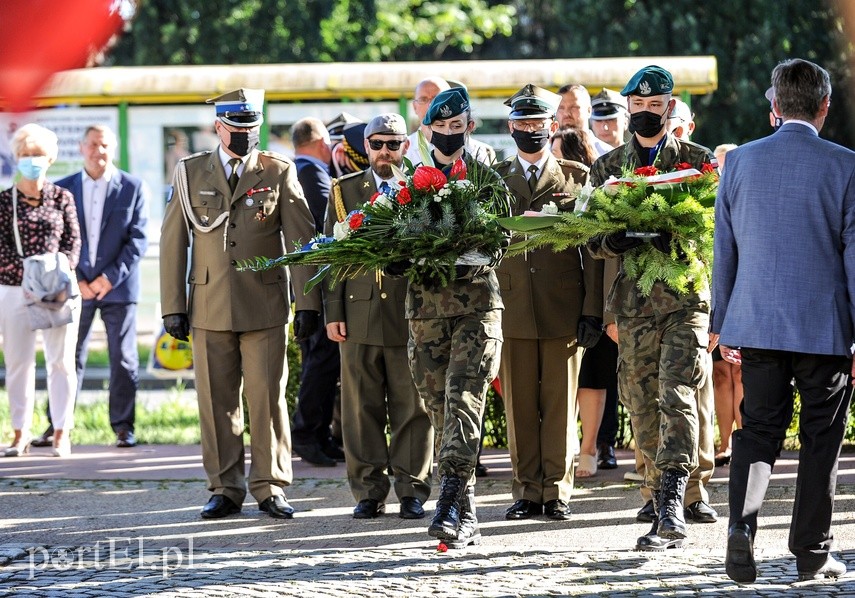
(530, 125)
(392, 144)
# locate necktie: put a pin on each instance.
(384, 187)
(233, 177)
(532, 177)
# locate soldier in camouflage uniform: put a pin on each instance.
(662, 338)
(455, 343)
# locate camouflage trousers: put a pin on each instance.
(662, 363)
(453, 360)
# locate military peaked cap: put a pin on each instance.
(241, 107)
(533, 102)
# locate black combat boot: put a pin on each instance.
(449, 507)
(652, 541)
(468, 533)
(672, 522)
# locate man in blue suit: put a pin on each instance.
(112, 210)
(784, 293)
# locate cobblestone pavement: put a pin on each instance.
(63, 537)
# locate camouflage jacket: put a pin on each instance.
(477, 290)
(625, 299)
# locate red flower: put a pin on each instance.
(707, 168)
(356, 220)
(458, 170)
(646, 171)
(683, 166)
(428, 178)
(442, 547)
(374, 197)
(404, 196)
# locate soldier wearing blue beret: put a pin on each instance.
(664, 369)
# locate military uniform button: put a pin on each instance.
(350, 297)
(232, 225)
(204, 203)
(234, 262)
(232, 243)
(382, 295)
(533, 270)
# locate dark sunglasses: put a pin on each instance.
(392, 144)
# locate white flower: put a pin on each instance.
(550, 209)
(383, 201)
(584, 197)
(341, 230)
(463, 183)
(437, 198)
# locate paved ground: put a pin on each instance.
(110, 521)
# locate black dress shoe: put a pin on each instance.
(524, 509)
(739, 561)
(647, 513)
(831, 568)
(700, 512)
(411, 508)
(481, 469)
(125, 439)
(368, 508)
(46, 439)
(557, 509)
(607, 457)
(219, 506)
(314, 454)
(277, 507)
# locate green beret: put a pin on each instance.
(447, 104)
(650, 81)
(533, 102)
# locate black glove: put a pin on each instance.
(177, 326)
(588, 331)
(396, 268)
(662, 242)
(620, 243)
(305, 324)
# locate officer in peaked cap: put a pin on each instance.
(609, 117)
(566, 321)
(335, 126)
(607, 104)
(532, 102)
(236, 202)
(240, 108)
(348, 155)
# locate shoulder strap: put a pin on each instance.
(15, 220)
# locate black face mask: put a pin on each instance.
(447, 144)
(530, 142)
(646, 124)
(243, 142)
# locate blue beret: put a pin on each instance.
(650, 81)
(447, 104)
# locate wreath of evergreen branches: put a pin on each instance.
(684, 209)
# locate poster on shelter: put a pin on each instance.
(69, 124)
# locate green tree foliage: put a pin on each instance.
(748, 38)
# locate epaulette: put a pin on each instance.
(351, 175)
(196, 155)
(570, 165)
(276, 156)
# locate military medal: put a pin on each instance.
(249, 201)
(260, 216)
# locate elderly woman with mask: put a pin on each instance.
(36, 217)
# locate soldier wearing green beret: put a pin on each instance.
(553, 306)
(455, 342)
(235, 203)
(661, 337)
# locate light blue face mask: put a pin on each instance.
(33, 167)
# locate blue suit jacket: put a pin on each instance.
(316, 183)
(784, 268)
(122, 243)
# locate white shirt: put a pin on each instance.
(390, 181)
(224, 158)
(539, 164)
(94, 196)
